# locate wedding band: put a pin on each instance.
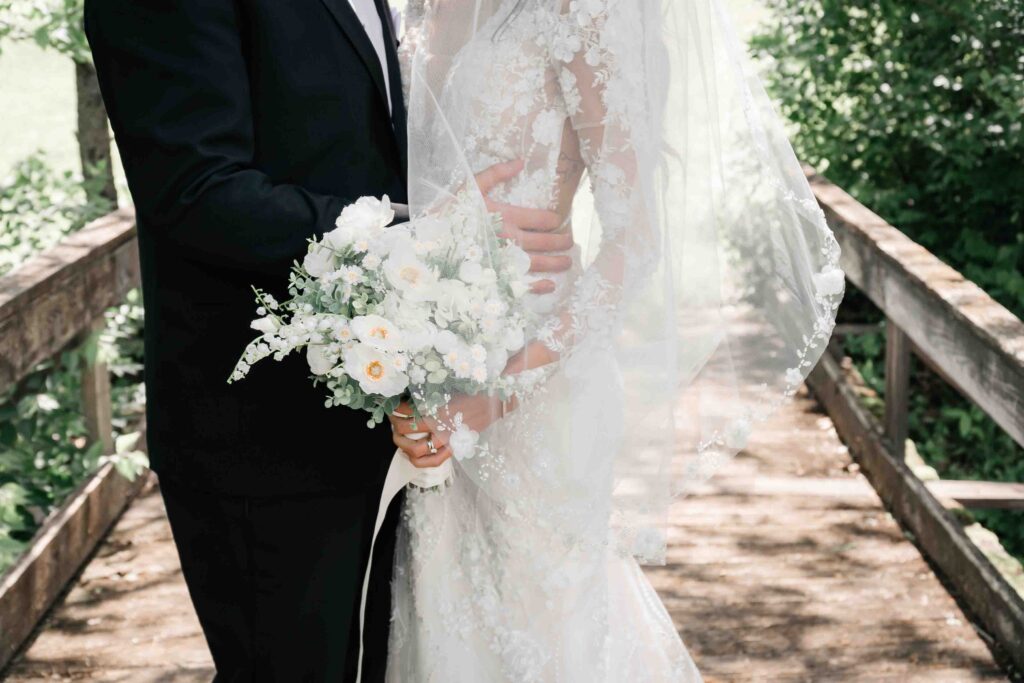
(401, 415)
(431, 446)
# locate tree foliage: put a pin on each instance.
(51, 24)
(44, 452)
(916, 109)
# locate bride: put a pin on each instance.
(703, 289)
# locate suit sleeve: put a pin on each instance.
(175, 83)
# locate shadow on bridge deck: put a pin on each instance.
(785, 568)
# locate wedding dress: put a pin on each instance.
(525, 567)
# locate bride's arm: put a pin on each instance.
(601, 74)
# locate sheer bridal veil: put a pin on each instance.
(707, 282)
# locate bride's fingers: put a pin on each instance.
(404, 425)
(414, 448)
(527, 219)
(539, 241)
(543, 287)
(548, 263)
(491, 177)
(432, 460)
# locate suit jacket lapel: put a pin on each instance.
(347, 20)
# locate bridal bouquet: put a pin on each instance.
(420, 310)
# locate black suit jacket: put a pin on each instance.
(244, 127)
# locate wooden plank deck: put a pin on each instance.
(785, 568)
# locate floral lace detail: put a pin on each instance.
(481, 568)
(523, 569)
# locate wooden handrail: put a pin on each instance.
(970, 340)
(55, 299)
(57, 295)
(952, 322)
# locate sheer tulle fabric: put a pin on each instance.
(707, 280)
(704, 287)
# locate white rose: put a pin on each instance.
(368, 213)
(374, 371)
(265, 325)
(410, 275)
(418, 336)
(342, 236)
(319, 261)
(471, 272)
(397, 238)
(453, 297)
(445, 342)
(319, 360)
(433, 230)
(463, 443)
(830, 281)
(514, 338)
(377, 331)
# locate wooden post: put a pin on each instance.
(897, 387)
(96, 402)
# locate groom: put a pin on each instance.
(244, 127)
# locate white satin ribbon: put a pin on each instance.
(401, 472)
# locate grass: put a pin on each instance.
(37, 101)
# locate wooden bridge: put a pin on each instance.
(817, 555)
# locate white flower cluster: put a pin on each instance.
(425, 309)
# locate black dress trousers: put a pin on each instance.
(276, 582)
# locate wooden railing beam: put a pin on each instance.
(96, 400)
(48, 301)
(897, 387)
(953, 323)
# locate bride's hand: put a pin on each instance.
(476, 412)
(531, 229)
(533, 355)
(418, 450)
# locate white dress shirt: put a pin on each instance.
(366, 10)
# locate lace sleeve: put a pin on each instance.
(594, 51)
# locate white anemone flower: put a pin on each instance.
(378, 332)
(374, 370)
